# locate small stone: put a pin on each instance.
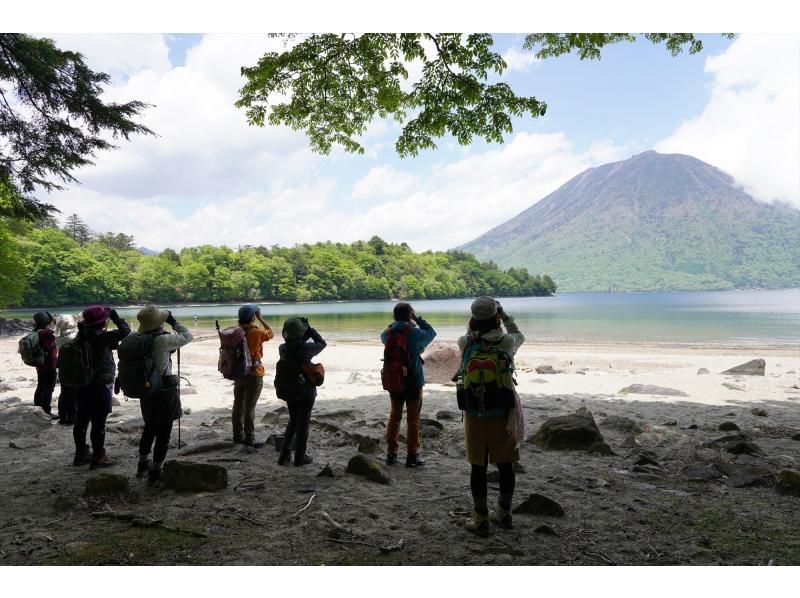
(670, 423)
(728, 427)
(758, 412)
(755, 367)
(270, 418)
(730, 386)
(430, 431)
(367, 467)
(187, 411)
(702, 371)
(629, 442)
(796, 436)
(282, 410)
(188, 390)
(448, 415)
(601, 448)
(743, 448)
(368, 445)
(622, 424)
(546, 369)
(546, 530)
(538, 504)
(700, 472)
(431, 422)
(106, 483)
(326, 472)
(649, 389)
(647, 458)
(194, 477)
(692, 427)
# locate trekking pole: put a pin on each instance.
(180, 415)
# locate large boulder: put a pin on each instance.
(577, 431)
(194, 477)
(755, 367)
(442, 361)
(742, 476)
(23, 421)
(622, 424)
(788, 482)
(367, 467)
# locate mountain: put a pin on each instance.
(145, 251)
(652, 222)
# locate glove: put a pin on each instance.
(114, 316)
(171, 319)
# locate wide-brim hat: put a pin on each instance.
(150, 318)
(294, 328)
(95, 315)
(484, 308)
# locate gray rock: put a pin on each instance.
(796, 436)
(369, 468)
(647, 458)
(742, 476)
(692, 427)
(326, 472)
(10, 401)
(275, 440)
(441, 362)
(755, 367)
(743, 447)
(601, 448)
(538, 504)
(758, 412)
(541, 381)
(700, 472)
(546, 369)
(577, 431)
(724, 440)
(788, 482)
(730, 386)
(546, 530)
(187, 411)
(368, 445)
(282, 410)
(431, 422)
(728, 427)
(129, 426)
(430, 431)
(622, 424)
(270, 418)
(187, 476)
(702, 371)
(752, 461)
(6, 387)
(649, 389)
(448, 415)
(106, 484)
(208, 447)
(670, 423)
(629, 442)
(340, 415)
(188, 390)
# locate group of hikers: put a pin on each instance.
(81, 351)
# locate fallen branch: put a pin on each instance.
(145, 521)
(310, 500)
(120, 515)
(49, 523)
(241, 515)
(330, 521)
(600, 555)
(383, 549)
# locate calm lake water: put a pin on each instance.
(724, 317)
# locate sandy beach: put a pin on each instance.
(615, 510)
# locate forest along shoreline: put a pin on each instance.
(674, 489)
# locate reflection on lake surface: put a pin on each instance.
(725, 317)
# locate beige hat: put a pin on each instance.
(150, 318)
(484, 308)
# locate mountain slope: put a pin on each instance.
(652, 222)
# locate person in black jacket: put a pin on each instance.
(302, 344)
(94, 399)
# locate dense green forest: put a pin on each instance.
(52, 266)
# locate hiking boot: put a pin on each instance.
(414, 461)
(391, 458)
(238, 440)
(143, 467)
(501, 517)
(100, 459)
(306, 461)
(478, 524)
(82, 456)
(154, 477)
(285, 457)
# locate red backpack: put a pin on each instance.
(397, 372)
(234, 356)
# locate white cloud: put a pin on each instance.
(519, 60)
(118, 54)
(751, 125)
(383, 181)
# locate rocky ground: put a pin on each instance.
(668, 491)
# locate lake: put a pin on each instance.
(719, 317)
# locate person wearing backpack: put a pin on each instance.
(297, 385)
(247, 388)
(95, 380)
(402, 376)
(46, 370)
(147, 354)
(490, 409)
(66, 329)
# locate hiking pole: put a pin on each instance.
(180, 415)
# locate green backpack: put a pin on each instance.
(138, 376)
(486, 382)
(75, 366)
(30, 350)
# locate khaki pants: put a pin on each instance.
(413, 402)
(246, 392)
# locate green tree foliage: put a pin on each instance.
(119, 241)
(61, 271)
(52, 119)
(332, 86)
(76, 229)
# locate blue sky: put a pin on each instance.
(210, 178)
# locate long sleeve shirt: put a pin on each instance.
(419, 337)
(165, 344)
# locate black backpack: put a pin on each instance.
(75, 366)
(289, 379)
(138, 376)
